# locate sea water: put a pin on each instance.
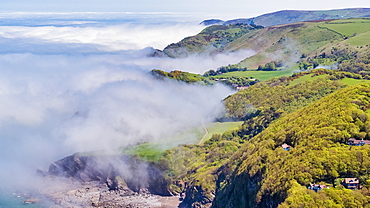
(14, 200)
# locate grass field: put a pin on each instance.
(260, 75)
(351, 81)
(306, 78)
(153, 151)
(219, 128)
(146, 151)
(360, 40)
(349, 27)
(346, 81)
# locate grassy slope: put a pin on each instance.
(348, 27)
(289, 42)
(354, 34)
(220, 128)
(360, 40)
(346, 81)
(282, 42)
(260, 75)
(351, 81)
(305, 78)
(291, 16)
(356, 30)
(211, 40)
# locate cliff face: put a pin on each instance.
(241, 194)
(113, 171)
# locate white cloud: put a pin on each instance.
(198, 63)
(106, 38)
(55, 105)
(63, 90)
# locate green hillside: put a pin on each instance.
(181, 76)
(284, 49)
(258, 106)
(314, 112)
(348, 27)
(260, 75)
(293, 16)
(266, 174)
(289, 43)
(289, 16)
(211, 40)
(248, 167)
(297, 42)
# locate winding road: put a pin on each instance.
(205, 129)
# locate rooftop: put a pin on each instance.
(351, 180)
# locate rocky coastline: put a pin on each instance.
(105, 181)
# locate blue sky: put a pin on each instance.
(248, 8)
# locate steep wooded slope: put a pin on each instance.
(202, 167)
(266, 175)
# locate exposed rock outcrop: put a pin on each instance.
(105, 181)
(114, 171)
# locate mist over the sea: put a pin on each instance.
(80, 82)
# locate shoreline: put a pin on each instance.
(70, 193)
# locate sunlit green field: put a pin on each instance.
(260, 75)
(219, 128)
(360, 40)
(346, 81)
(306, 78)
(349, 27)
(351, 81)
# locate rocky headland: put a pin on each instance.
(105, 181)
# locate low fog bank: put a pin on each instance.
(200, 63)
(55, 105)
(107, 36)
(68, 86)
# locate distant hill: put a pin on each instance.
(293, 16)
(212, 22)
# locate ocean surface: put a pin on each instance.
(74, 82)
(13, 200)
